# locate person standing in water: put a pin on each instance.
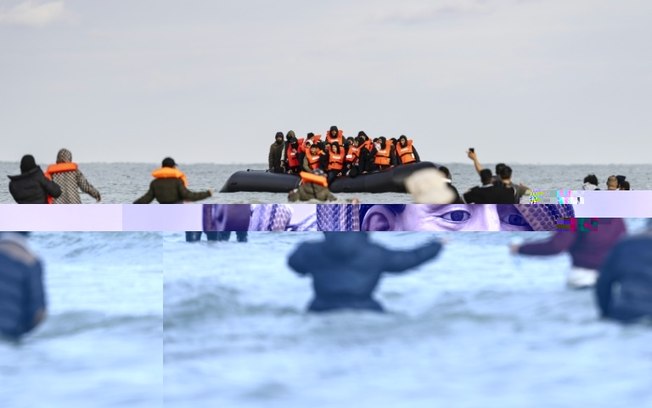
(346, 268)
(624, 288)
(169, 186)
(274, 160)
(588, 249)
(67, 174)
(31, 186)
(22, 295)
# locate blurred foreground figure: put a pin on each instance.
(588, 249)
(624, 288)
(22, 297)
(346, 268)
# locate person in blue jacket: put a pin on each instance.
(22, 296)
(346, 268)
(624, 287)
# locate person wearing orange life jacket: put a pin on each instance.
(67, 175)
(365, 159)
(314, 158)
(294, 154)
(352, 157)
(311, 138)
(288, 139)
(335, 135)
(383, 154)
(335, 162)
(406, 152)
(169, 186)
(314, 186)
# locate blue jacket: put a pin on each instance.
(628, 269)
(22, 297)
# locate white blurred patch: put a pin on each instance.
(32, 13)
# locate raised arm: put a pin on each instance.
(473, 156)
(50, 187)
(401, 261)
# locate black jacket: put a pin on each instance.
(170, 191)
(32, 187)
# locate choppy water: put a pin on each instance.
(474, 328)
(101, 344)
(121, 183)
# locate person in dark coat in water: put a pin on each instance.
(624, 288)
(588, 249)
(22, 293)
(169, 186)
(31, 186)
(346, 269)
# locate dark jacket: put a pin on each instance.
(347, 267)
(22, 297)
(274, 159)
(170, 191)
(490, 195)
(628, 269)
(588, 249)
(32, 187)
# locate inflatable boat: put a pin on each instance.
(386, 181)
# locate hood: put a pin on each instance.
(345, 244)
(64, 156)
(290, 135)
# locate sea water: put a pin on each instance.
(101, 344)
(122, 183)
(472, 328)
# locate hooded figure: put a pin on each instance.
(275, 164)
(346, 268)
(31, 186)
(66, 174)
(624, 288)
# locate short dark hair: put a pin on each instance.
(499, 167)
(505, 173)
(485, 176)
(591, 179)
(168, 162)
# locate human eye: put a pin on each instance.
(514, 219)
(456, 216)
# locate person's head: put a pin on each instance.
(310, 135)
(314, 148)
(358, 141)
(442, 217)
(486, 177)
(621, 180)
(290, 135)
(349, 140)
(403, 140)
(334, 131)
(168, 162)
(591, 179)
(27, 163)
(624, 185)
(393, 140)
(344, 244)
(279, 137)
(505, 174)
(612, 183)
(64, 156)
(447, 173)
(499, 167)
(383, 142)
(335, 147)
(363, 134)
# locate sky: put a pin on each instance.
(521, 81)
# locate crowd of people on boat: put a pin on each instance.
(337, 154)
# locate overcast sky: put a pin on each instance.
(522, 81)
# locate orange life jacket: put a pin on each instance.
(352, 154)
(313, 178)
(313, 160)
(383, 155)
(292, 154)
(405, 154)
(335, 161)
(339, 138)
(170, 172)
(58, 168)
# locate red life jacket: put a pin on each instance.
(292, 154)
(339, 138)
(405, 154)
(352, 154)
(335, 161)
(313, 160)
(383, 155)
(58, 168)
(313, 178)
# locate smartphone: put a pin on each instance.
(472, 150)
